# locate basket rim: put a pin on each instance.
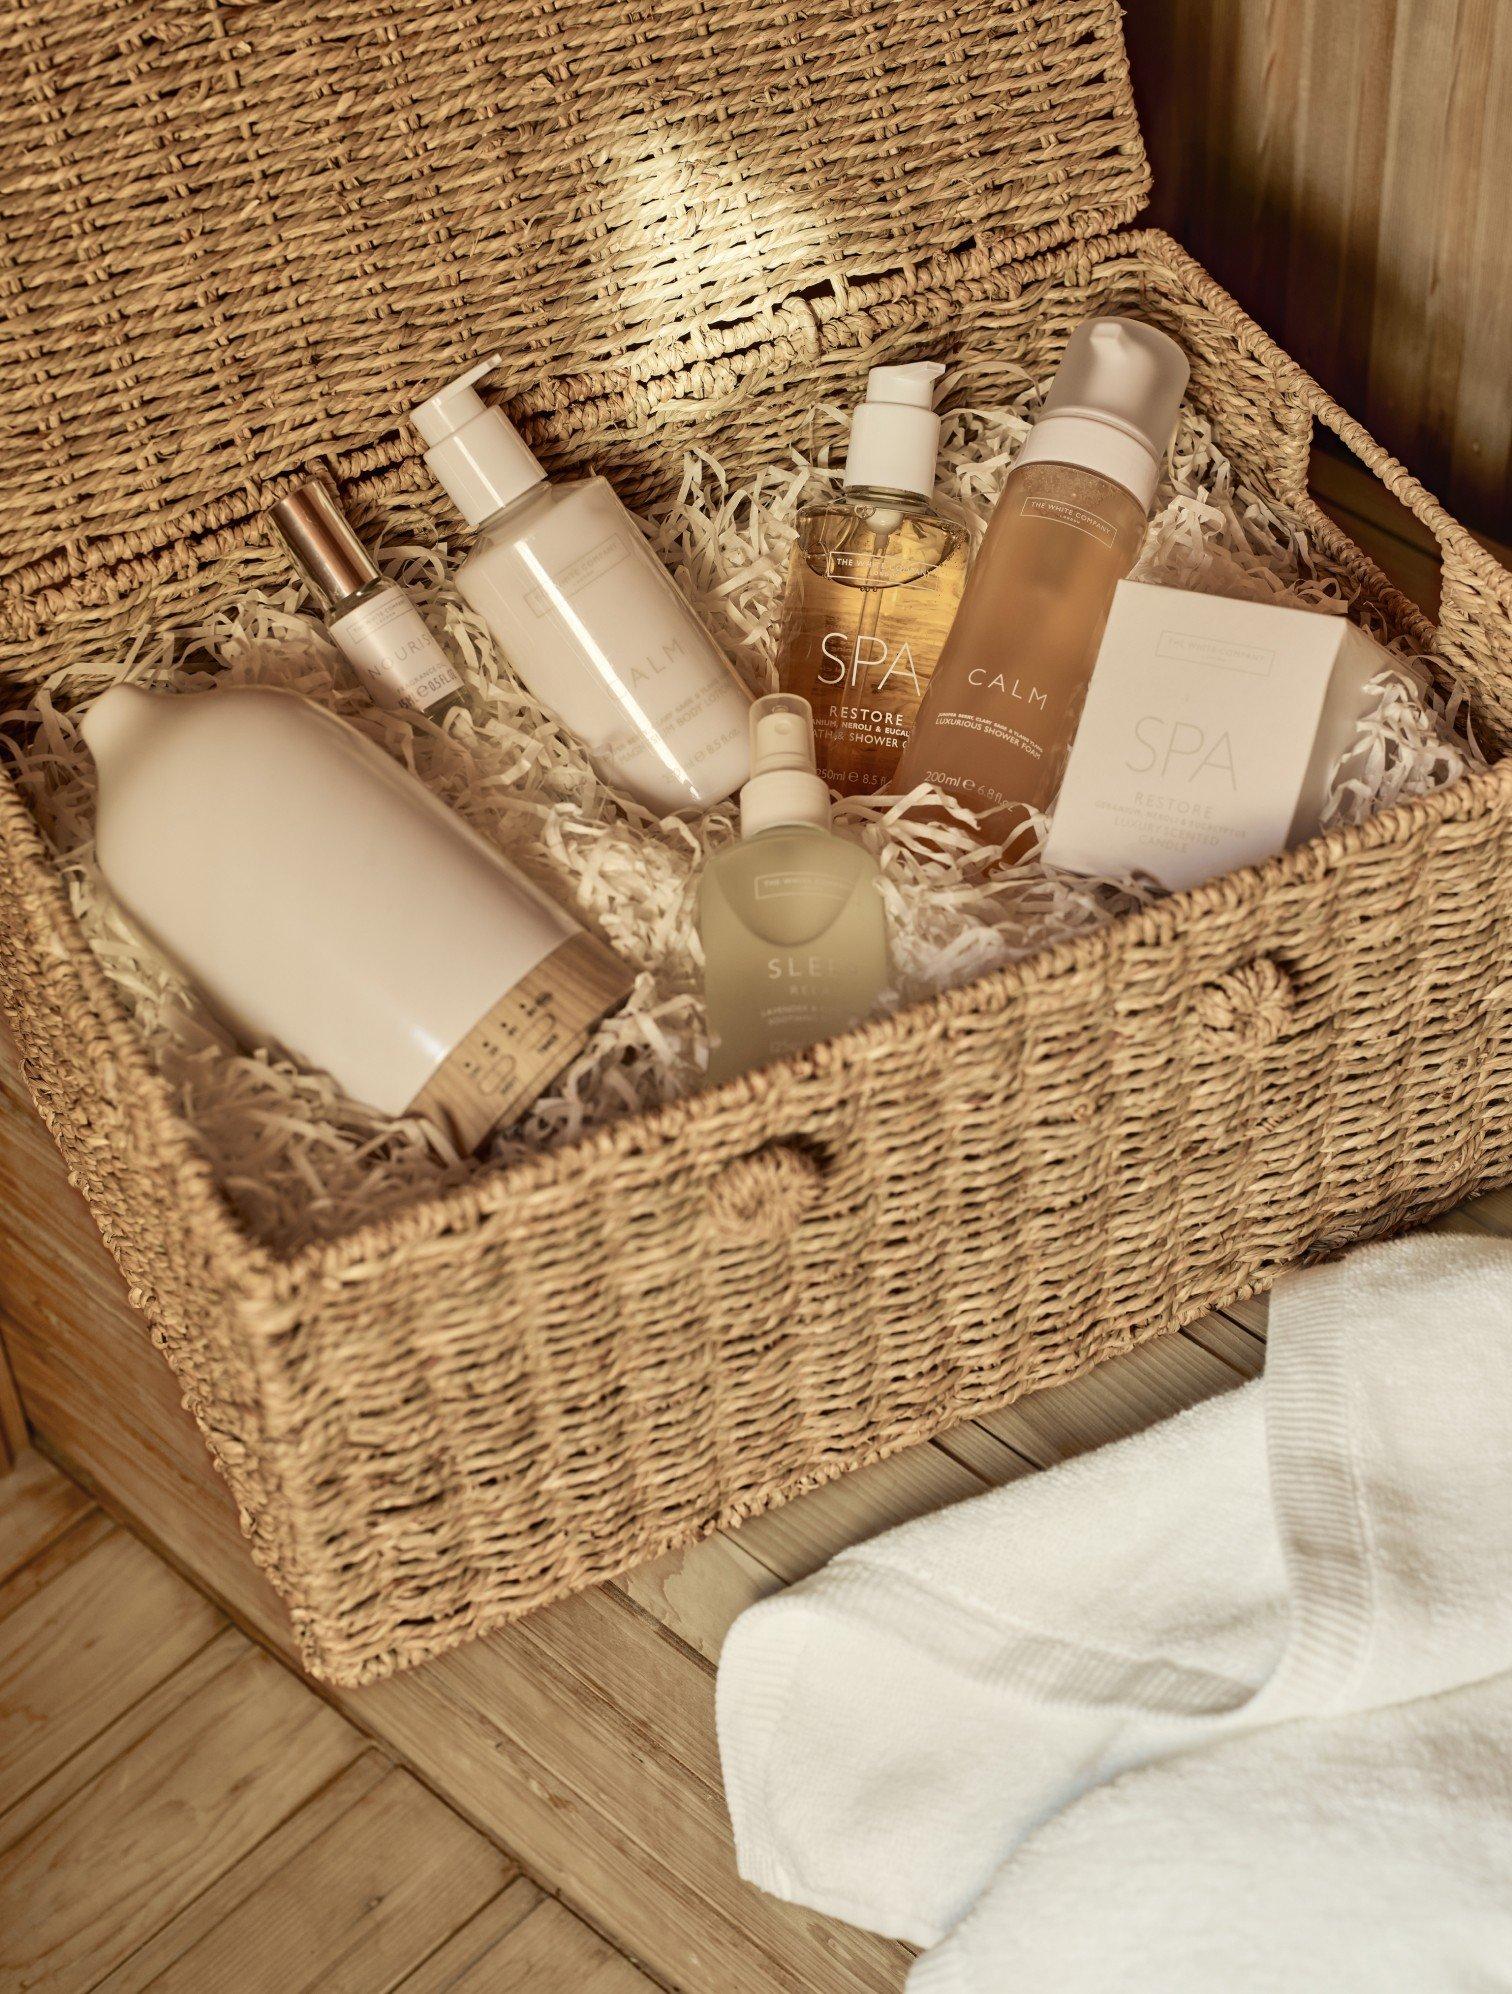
(555, 415)
(254, 1272)
(257, 1273)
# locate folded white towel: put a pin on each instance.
(1360, 1854)
(894, 1729)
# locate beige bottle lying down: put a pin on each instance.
(323, 900)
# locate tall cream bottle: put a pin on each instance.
(587, 615)
(323, 900)
(996, 723)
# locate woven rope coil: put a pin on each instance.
(686, 225)
(1251, 1006)
(764, 1196)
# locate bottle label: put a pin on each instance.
(861, 652)
(391, 649)
(570, 581)
(1061, 512)
(518, 1047)
(602, 636)
(813, 888)
(997, 725)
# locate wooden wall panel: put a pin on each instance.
(1345, 168)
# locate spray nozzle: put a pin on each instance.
(444, 412)
(782, 734)
(911, 385)
(783, 787)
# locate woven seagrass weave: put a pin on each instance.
(454, 1415)
(238, 238)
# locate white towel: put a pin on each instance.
(898, 1728)
(1361, 1854)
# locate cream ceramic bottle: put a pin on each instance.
(875, 579)
(376, 627)
(323, 900)
(996, 725)
(793, 928)
(587, 615)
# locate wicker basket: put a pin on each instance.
(240, 240)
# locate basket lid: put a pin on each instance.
(240, 240)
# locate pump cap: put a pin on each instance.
(474, 450)
(1113, 403)
(895, 433)
(783, 786)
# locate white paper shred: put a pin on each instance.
(298, 1160)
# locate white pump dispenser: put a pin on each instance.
(895, 433)
(1113, 404)
(475, 450)
(589, 618)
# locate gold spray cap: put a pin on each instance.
(321, 544)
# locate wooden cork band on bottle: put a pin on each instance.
(519, 1046)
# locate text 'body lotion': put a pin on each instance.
(875, 579)
(997, 722)
(793, 927)
(586, 614)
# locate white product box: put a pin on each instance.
(1209, 736)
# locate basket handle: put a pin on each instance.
(764, 1196)
(1474, 635)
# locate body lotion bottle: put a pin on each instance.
(589, 618)
(996, 724)
(793, 928)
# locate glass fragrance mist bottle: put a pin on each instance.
(376, 627)
(586, 614)
(874, 584)
(794, 932)
(996, 724)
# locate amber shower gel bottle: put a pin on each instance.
(875, 580)
(996, 724)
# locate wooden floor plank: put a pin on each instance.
(551, 1952)
(101, 1874)
(1120, 1397)
(199, 1916)
(346, 1902)
(465, 1962)
(117, 1739)
(37, 1504)
(1493, 1211)
(104, 1630)
(14, 1436)
(697, 1592)
(1230, 1342)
